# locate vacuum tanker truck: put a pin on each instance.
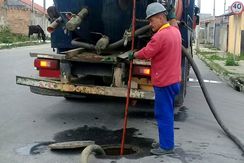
(92, 38)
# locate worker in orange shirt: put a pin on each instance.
(164, 51)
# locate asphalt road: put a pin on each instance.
(29, 122)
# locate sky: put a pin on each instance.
(206, 5)
(48, 2)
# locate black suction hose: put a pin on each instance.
(112, 46)
(209, 101)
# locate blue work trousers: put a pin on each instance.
(164, 114)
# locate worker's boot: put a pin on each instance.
(160, 151)
(155, 145)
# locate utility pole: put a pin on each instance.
(214, 22)
(198, 27)
(32, 6)
(32, 12)
(44, 5)
(224, 6)
(44, 15)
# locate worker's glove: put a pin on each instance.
(131, 55)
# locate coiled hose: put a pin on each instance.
(91, 149)
(209, 101)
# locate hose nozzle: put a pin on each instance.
(54, 25)
(76, 20)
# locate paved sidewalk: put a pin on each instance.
(216, 59)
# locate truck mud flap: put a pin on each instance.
(57, 88)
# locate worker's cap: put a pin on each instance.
(154, 8)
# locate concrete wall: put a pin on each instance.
(235, 22)
(217, 36)
(202, 35)
(210, 33)
(18, 20)
(2, 14)
(206, 33)
(221, 36)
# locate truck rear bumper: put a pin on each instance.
(61, 88)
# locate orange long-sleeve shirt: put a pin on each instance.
(164, 50)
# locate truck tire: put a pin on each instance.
(179, 99)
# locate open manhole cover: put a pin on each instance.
(114, 150)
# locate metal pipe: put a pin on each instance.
(83, 44)
(129, 81)
(54, 24)
(76, 20)
(120, 43)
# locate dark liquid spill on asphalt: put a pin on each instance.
(33, 149)
(104, 137)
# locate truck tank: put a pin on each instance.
(109, 18)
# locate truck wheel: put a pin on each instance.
(179, 100)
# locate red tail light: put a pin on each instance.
(46, 64)
(142, 71)
(47, 67)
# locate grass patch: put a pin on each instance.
(7, 37)
(215, 57)
(205, 53)
(231, 61)
(213, 48)
(241, 57)
(208, 45)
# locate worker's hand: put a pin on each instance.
(131, 55)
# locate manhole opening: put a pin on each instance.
(237, 88)
(115, 150)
